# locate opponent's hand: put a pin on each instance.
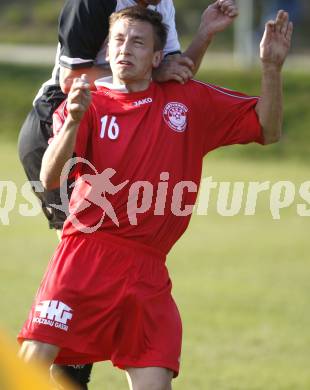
(276, 41)
(174, 67)
(218, 16)
(79, 98)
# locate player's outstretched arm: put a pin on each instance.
(216, 18)
(62, 147)
(274, 49)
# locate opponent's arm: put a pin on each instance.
(63, 145)
(93, 73)
(274, 49)
(182, 67)
(174, 65)
(83, 28)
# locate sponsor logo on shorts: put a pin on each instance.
(53, 313)
(175, 115)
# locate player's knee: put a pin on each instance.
(154, 384)
(32, 350)
(150, 378)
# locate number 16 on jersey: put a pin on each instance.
(113, 128)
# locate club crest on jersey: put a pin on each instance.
(175, 115)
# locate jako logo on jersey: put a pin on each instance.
(143, 101)
(175, 116)
(53, 313)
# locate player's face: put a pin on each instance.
(131, 52)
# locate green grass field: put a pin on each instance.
(242, 285)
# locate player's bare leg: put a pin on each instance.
(149, 378)
(35, 351)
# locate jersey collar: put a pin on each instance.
(107, 82)
(120, 92)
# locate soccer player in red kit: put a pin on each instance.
(139, 147)
(83, 30)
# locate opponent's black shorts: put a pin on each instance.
(32, 143)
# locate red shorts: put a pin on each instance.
(107, 298)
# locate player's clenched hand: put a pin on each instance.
(276, 41)
(174, 67)
(79, 98)
(218, 16)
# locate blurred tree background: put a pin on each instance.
(35, 21)
(31, 21)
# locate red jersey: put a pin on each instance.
(145, 152)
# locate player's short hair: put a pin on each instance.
(144, 15)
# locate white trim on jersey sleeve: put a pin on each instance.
(74, 61)
(228, 93)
